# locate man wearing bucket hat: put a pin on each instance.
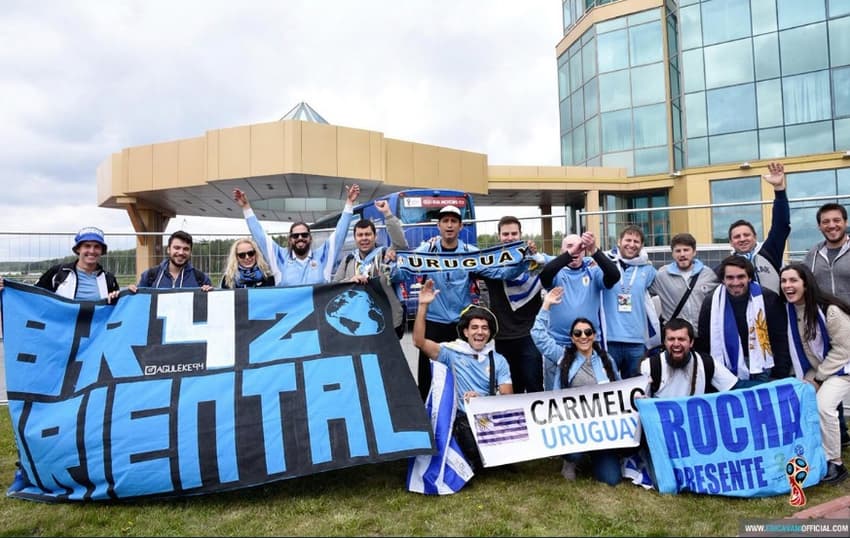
(478, 369)
(83, 279)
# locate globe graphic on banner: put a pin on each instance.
(354, 313)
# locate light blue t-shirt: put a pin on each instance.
(627, 323)
(472, 372)
(581, 299)
(87, 289)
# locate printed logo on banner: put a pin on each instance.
(507, 426)
(797, 470)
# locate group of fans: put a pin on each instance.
(580, 318)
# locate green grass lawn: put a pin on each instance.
(526, 499)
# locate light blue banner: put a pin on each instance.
(741, 443)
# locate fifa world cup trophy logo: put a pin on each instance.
(797, 469)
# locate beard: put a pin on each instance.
(300, 250)
(678, 363)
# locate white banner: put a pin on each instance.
(520, 427)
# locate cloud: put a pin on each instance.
(85, 79)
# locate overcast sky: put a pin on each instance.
(80, 80)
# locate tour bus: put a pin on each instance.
(418, 210)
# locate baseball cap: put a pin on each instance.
(89, 233)
(450, 210)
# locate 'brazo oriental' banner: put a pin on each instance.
(184, 392)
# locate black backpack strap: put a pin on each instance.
(492, 374)
(152, 272)
(200, 277)
(708, 368)
(654, 374)
(685, 296)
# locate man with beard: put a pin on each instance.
(176, 271)
(299, 263)
(679, 370)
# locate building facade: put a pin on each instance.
(708, 92)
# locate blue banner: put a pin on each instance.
(754, 442)
(184, 392)
(506, 254)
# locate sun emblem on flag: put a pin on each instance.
(761, 332)
(483, 421)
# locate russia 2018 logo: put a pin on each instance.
(797, 469)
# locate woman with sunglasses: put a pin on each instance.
(582, 363)
(819, 341)
(246, 267)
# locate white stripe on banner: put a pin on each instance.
(520, 427)
(447, 471)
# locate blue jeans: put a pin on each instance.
(605, 465)
(627, 357)
(755, 379)
(525, 362)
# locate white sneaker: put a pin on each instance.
(568, 470)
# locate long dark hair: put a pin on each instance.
(813, 298)
(570, 354)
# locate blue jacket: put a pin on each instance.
(159, 277)
(316, 268)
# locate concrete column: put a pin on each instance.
(149, 248)
(546, 230)
(592, 223)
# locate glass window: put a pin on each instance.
(566, 150)
(841, 91)
(728, 63)
(725, 20)
(803, 214)
(578, 145)
(563, 80)
(803, 49)
(575, 72)
(568, 20)
(764, 16)
(694, 72)
(644, 16)
(578, 108)
(676, 120)
(769, 95)
(613, 24)
(734, 190)
(591, 130)
(839, 7)
(650, 124)
(645, 41)
(738, 147)
(616, 131)
(591, 98)
(806, 97)
(771, 143)
(766, 52)
(690, 22)
(613, 51)
(651, 161)
(839, 41)
(798, 12)
(695, 118)
(842, 135)
(809, 138)
(731, 109)
(620, 160)
(843, 181)
(612, 90)
(697, 151)
(588, 59)
(648, 84)
(566, 120)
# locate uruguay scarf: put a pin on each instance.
(652, 327)
(522, 289)
(446, 471)
(819, 345)
(725, 342)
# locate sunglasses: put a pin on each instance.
(587, 332)
(299, 235)
(249, 254)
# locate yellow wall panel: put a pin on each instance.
(266, 148)
(234, 152)
(399, 159)
(450, 168)
(354, 153)
(111, 181)
(192, 161)
(213, 171)
(292, 161)
(165, 156)
(140, 168)
(474, 171)
(376, 156)
(425, 168)
(319, 149)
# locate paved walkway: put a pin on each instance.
(835, 509)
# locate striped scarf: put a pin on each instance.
(819, 344)
(725, 341)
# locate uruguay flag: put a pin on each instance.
(446, 471)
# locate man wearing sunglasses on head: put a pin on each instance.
(299, 263)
